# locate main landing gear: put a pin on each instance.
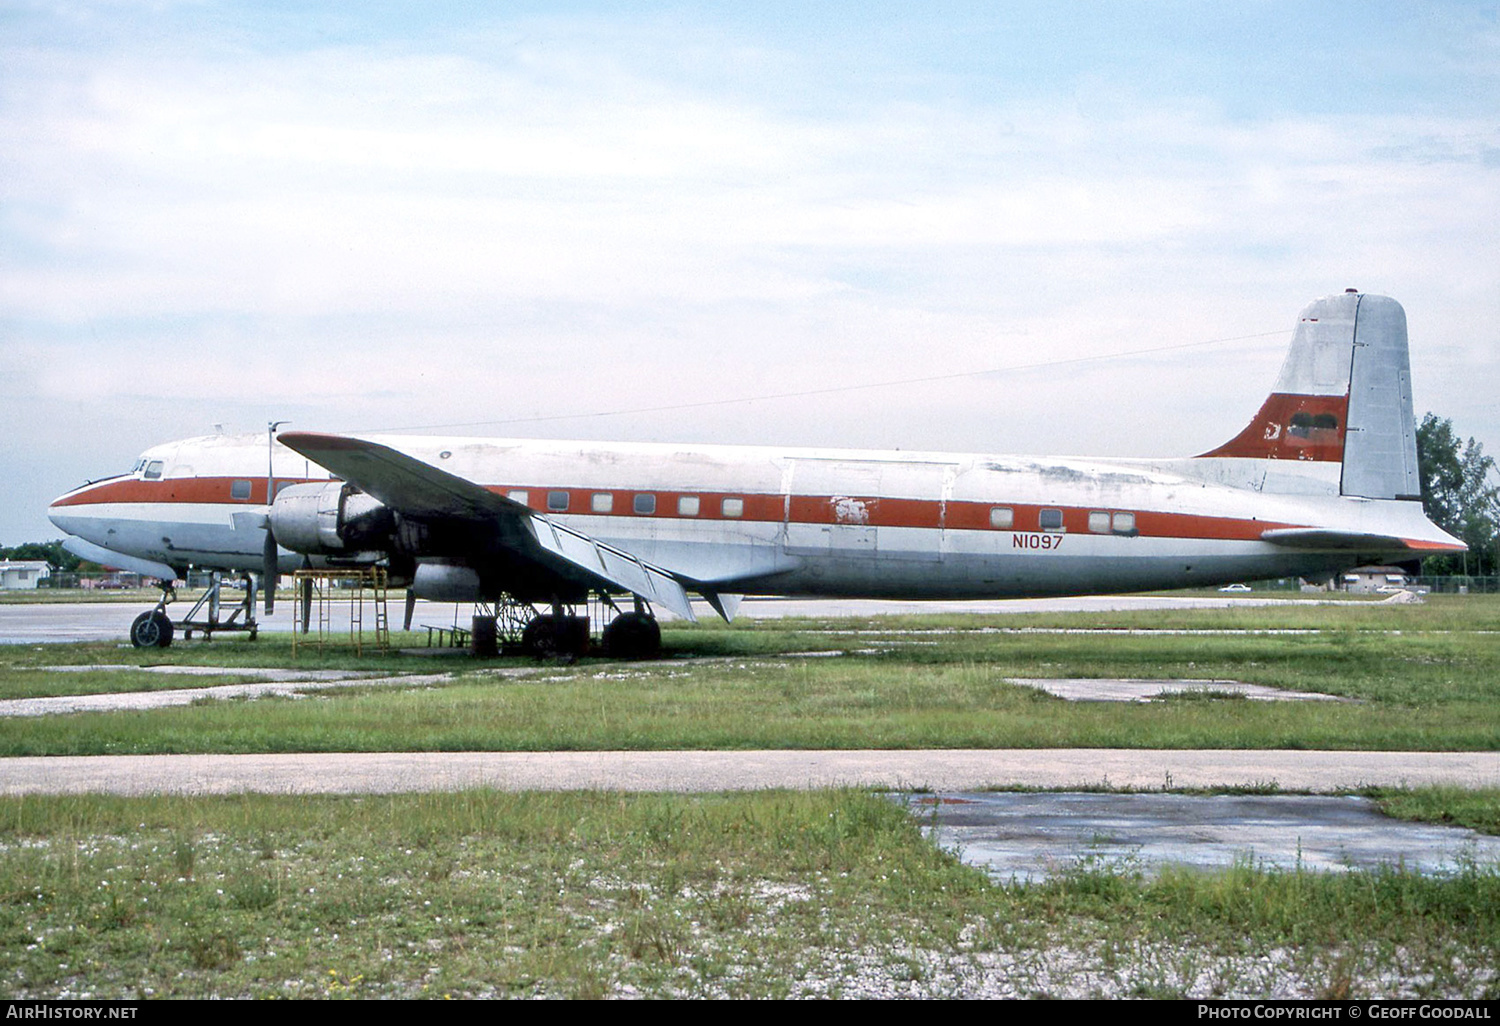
(155, 629)
(565, 635)
(632, 636)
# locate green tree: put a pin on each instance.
(1458, 496)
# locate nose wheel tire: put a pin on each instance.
(151, 630)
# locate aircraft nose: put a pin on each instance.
(64, 518)
(60, 516)
(73, 512)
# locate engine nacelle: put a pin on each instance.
(332, 519)
(443, 582)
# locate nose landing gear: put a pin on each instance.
(154, 629)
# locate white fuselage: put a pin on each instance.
(797, 522)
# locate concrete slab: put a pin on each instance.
(1105, 689)
(1028, 837)
(293, 687)
(265, 673)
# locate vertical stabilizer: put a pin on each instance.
(1342, 401)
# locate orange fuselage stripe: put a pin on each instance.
(867, 511)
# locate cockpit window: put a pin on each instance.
(153, 470)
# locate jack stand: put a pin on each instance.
(213, 599)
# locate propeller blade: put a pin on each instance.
(411, 607)
(268, 571)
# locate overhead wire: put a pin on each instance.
(830, 390)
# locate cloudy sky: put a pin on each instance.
(522, 219)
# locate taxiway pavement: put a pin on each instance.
(679, 771)
(27, 623)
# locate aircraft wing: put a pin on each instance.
(422, 491)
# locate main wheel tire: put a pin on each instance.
(152, 629)
(539, 639)
(548, 636)
(632, 636)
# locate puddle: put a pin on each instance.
(1030, 837)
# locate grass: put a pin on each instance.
(589, 895)
(1420, 677)
(747, 895)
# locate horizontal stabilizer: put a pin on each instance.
(1319, 538)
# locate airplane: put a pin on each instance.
(1323, 477)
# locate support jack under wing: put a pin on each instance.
(420, 491)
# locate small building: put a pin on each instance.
(1366, 580)
(23, 574)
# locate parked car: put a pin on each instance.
(1236, 587)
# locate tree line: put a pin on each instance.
(1460, 495)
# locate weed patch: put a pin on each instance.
(481, 894)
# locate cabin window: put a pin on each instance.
(1002, 518)
(1099, 522)
(1125, 523)
(733, 507)
(520, 495)
(645, 503)
(1050, 520)
(153, 470)
(687, 505)
(282, 486)
(602, 502)
(239, 490)
(557, 501)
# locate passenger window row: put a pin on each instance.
(1003, 518)
(560, 500)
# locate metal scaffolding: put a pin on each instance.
(321, 591)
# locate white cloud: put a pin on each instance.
(567, 222)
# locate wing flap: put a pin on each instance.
(617, 566)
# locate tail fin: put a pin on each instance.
(1343, 400)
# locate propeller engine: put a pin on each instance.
(333, 520)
